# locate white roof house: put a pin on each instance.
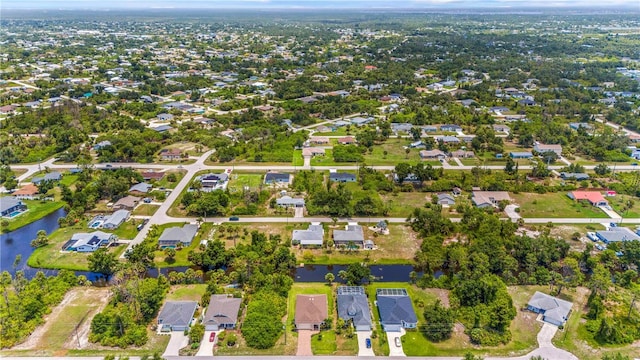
(117, 218)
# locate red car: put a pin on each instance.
(212, 337)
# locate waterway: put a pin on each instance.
(18, 243)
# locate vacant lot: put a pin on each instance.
(625, 205)
(67, 327)
(392, 152)
(253, 181)
(554, 205)
(145, 210)
(192, 292)
(402, 204)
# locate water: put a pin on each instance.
(18, 242)
(386, 273)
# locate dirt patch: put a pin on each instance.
(443, 296)
(82, 332)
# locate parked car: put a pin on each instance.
(397, 341)
(599, 247)
(146, 200)
(368, 342)
(234, 218)
(212, 337)
(592, 236)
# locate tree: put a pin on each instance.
(355, 274)
(510, 167)
(402, 170)
(40, 240)
(440, 321)
(170, 253)
(196, 333)
(103, 262)
(601, 169)
(329, 277)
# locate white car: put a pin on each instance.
(592, 236)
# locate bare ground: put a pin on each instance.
(34, 340)
(85, 327)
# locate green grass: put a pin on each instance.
(127, 230)
(165, 183)
(239, 180)
(395, 153)
(36, 210)
(619, 202)
(187, 292)
(145, 210)
(68, 179)
(324, 343)
(51, 256)
(297, 158)
(341, 131)
(554, 205)
(402, 204)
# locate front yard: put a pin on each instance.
(554, 205)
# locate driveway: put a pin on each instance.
(393, 349)
(177, 342)
(298, 212)
(362, 343)
(206, 346)
(610, 212)
(304, 343)
(510, 210)
(546, 349)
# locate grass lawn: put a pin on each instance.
(554, 205)
(156, 344)
(51, 256)
(398, 247)
(145, 210)
(297, 158)
(395, 153)
(619, 202)
(128, 230)
(233, 234)
(68, 179)
(576, 339)
(239, 180)
(402, 204)
(36, 210)
(192, 292)
(524, 329)
(341, 131)
(165, 183)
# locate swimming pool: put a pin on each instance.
(95, 224)
(15, 213)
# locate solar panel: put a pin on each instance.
(392, 292)
(350, 290)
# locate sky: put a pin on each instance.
(312, 4)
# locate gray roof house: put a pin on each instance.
(312, 236)
(342, 177)
(172, 236)
(117, 218)
(351, 234)
(52, 176)
(141, 188)
(554, 311)
(288, 201)
(276, 178)
(483, 199)
(222, 313)
(353, 305)
(89, 242)
(446, 199)
(617, 234)
(396, 310)
(574, 176)
(177, 315)
(9, 205)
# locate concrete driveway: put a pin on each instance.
(206, 346)
(510, 210)
(304, 343)
(362, 343)
(177, 342)
(393, 349)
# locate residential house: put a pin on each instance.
(102, 144)
(554, 311)
(128, 202)
(172, 236)
(27, 192)
(213, 181)
(319, 140)
(483, 199)
(312, 236)
(288, 201)
(635, 153)
(574, 176)
(311, 311)
(312, 151)
(401, 127)
(341, 123)
(353, 306)
(7, 109)
(451, 128)
(432, 154)
(165, 117)
(152, 175)
(10, 206)
(360, 121)
(89, 242)
(276, 178)
(527, 102)
(446, 199)
(342, 177)
(429, 128)
(347, 140)
(617, 234)
(171, 155)
(448, 139)
(395, 309)
(543, 148)
(521, 155)
(322, 129)
(464, 154)
(117, 218)
(595, 198)
(501, 128)
(578, 125)
(222, 313)
(351, 235)
(140, 188)
(177, 315)
(52, 176)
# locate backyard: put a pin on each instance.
(37, 209)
